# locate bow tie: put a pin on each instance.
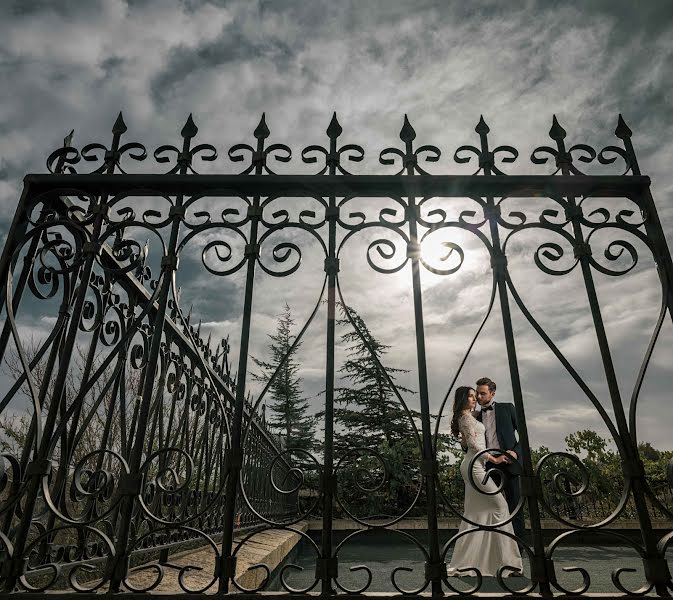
(485, 408)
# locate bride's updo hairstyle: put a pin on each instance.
(459, 405)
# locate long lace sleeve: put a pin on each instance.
(466, 424)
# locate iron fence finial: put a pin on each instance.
(334, 130)
(262, 131)
(623, 131)
(407, 133)
(119, 126)
(556, 133)
(190, 129)
(482, 128)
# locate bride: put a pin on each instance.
(485, 550)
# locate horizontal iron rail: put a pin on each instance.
(348, 185)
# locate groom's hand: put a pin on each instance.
(512, 454)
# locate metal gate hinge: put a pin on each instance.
(492, 211)
(169, 262)
(332, 266)
(498, 262)
(573, 211)
(254, 211)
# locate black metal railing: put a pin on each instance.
(146, 441)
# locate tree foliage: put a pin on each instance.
(289, 411)
(374, 432)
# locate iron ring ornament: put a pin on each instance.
(79, 518)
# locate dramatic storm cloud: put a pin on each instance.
(77, 64)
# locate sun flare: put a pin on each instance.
(436, 251)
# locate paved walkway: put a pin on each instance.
(268, 547)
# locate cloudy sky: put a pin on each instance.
(75, 65)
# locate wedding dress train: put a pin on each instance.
(485, 550)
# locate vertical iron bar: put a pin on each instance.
(329, 478)
(227, 568)
(530, 490)
(435, 570)
(540, 570)
(652, 223)
(428, 456)
(118, 567)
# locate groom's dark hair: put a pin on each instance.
(486, 381)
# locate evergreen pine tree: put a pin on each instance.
(370, 416)
(288, 409)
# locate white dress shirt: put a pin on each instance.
(488, 419)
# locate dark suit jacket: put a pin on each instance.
(506, 428)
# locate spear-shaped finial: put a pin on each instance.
(189, 315)
(198, 329)
(622, 132)
(556, 133)
(190, 129)
(407, 133)
(482, 128)
(334, 130)
(119, 127)
(67, 140)
(262, 131)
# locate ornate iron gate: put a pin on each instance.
(181, 457)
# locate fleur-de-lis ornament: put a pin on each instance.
(60, 160)
(185, 157)
(409, 156)
(333, 155)
(260, 155)
(624, 133)
(112, 156)
(486, 157)
(563, 157)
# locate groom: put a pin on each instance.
(500, 422)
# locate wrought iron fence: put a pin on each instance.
(179, 454)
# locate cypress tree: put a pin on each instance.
(288, 410)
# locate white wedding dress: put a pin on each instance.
(484, 550)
